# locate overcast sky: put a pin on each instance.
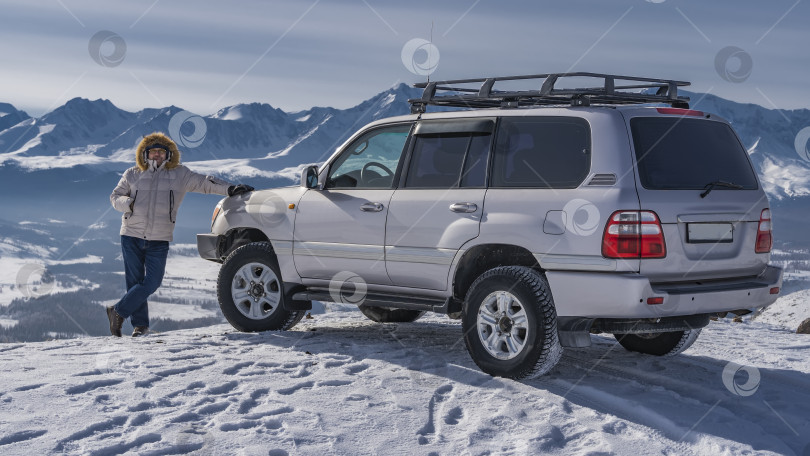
(295, 54)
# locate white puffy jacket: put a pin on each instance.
(150, 198)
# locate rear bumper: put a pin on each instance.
(208, 246)
(624, 295)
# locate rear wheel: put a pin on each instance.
(659, 344)
(250, 290)
(510, 324)
(389, 315)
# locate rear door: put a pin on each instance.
(678, 158)
(438, 205)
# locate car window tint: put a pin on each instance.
(438, 160)
(674, 153)
(371, 160)
(542, 152)
(475, 165)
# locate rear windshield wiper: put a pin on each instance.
(710, 186)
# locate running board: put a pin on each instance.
(408, 302)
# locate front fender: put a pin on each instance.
(268, 211)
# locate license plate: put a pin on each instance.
(699, 233)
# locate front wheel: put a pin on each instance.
(659, 344)
(510, 324)
(250, 290)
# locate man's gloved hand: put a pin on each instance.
(234, 190)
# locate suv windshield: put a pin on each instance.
(689, 154)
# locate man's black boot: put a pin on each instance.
(116, 321)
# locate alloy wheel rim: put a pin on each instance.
(502, 325)
(256, 291)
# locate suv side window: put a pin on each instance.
(448, 160)
(370, 161)
(542, 152)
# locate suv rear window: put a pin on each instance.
(542, 152)
(687, 154)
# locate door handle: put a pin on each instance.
(463, 207)
(371, 207)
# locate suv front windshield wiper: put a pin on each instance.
(710, 186)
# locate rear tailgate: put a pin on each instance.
(710, 237)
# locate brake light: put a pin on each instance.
(764, 236)
(680, 112)
(634, 234)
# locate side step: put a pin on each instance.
(408, 302)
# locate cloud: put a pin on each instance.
(205, 55)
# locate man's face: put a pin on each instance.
(158, 155)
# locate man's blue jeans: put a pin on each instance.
(144, 265)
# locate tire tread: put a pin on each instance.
(551, 351)
(266, 250)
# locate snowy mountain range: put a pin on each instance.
(75, 152)
(257, 138)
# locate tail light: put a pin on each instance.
(634, 234)
(764, 236)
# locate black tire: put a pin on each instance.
(659, 344)
(540, 350)
(388, 315)
(277, 318)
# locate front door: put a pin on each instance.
(341, 228)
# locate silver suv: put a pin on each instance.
(537, 217)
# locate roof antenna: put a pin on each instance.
(429, 48)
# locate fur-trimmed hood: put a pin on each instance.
(157, 138)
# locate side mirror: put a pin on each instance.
(309, 177)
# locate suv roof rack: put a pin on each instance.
(608, 93)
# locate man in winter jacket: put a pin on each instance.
(149, 195)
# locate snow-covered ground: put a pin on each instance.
(788, 311)
(341, 384)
